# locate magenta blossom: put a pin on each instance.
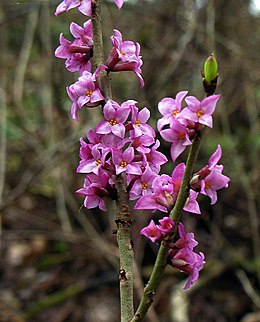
(213, 182)
(125, 56)
(124, 161)
(115, 117)
(192, 204)
(186, 239)
(166, 225)
(200, 112)
(151, 231)
(184, 258)
(170, 109)
(95, 189)
(84, 92)
(143, 185)
(78, 52)
(138, 121)
(178, 135)
(165, 190)
(93, 161)
(188, 262)
(119, 3)
(84, 6)
(210, 179)
(161, 198)
(155, 158)
(156, 232)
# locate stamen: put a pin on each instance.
(200, 113)
(144, 185)
(123, 164)
(98, 162)
(207, 184)
(122, 53)
(89, 92)
(112, 122)
(181, 136)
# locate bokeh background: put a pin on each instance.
(58, 261)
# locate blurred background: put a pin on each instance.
(59, 261)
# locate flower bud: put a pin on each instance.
(210, 71)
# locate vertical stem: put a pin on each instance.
(123, 221)
(104, 81)
(123, 216)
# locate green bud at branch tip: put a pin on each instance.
(210, 71)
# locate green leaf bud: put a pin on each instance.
(210, 71)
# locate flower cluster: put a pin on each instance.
(181, 254)
(124, 56)
(210, 179)
(78, 52)
(158, 232)
(182, 124)
(122, 142)
(164, 189)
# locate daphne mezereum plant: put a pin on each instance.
(120, 156)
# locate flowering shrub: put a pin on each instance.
(120, 157)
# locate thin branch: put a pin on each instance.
(24, 55)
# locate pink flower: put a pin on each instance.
(78, 52)
(170, 109)
(115, 116)
(95, 190)
(161, 197)
(184, 258)
(190, 263)
(138, 120)
(186, 239)
(84, 6)
(213, 182)
(95, 158)
(151, 231)
(119, 3)
(178, 135)
(156, 232)
(143, 185)
(192, 204)
(155, 158)
(84, 92)
(166, 225)
(124, 161)
(210, 179)
(125, 56)
(200, 112)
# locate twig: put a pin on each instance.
(3, 99)
(52, 300)
(248, 288)
(24, 55)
